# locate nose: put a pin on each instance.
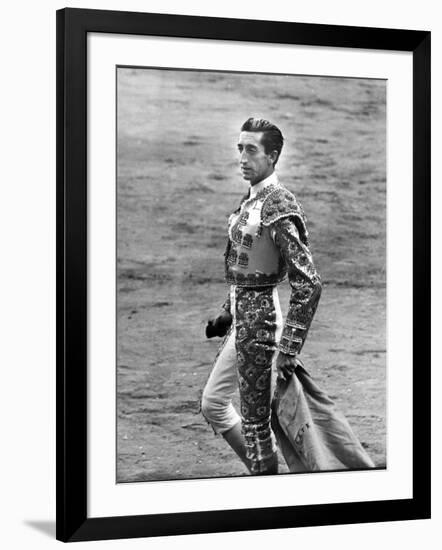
(243, 158)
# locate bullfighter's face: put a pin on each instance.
(254, 162)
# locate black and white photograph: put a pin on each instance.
(251, 274)
(220, 232)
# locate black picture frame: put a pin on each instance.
(73, 25)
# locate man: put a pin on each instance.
(267, 240)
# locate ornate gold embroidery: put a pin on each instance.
(255, 347)
(281, 204)
(243, 259)
(305, 283)
(247, 240)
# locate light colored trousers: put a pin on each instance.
(216, 402)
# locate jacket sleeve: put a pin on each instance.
(304, 281)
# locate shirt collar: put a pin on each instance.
(269, 180)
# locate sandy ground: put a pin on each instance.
(178, 180)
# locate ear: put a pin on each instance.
(273, 156)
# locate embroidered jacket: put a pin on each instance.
(268, 240)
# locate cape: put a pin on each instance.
(311, 432)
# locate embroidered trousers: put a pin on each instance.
(246, 360)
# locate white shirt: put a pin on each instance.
(269, 180)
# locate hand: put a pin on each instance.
(285, 366)
(224, 318)
(222, 321)
(220, 325)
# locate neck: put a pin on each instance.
(252, 183)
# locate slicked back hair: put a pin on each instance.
(272, 138)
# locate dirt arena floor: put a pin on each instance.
(178, 180)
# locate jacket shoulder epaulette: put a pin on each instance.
(281, 203)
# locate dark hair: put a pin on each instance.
(272, 138)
